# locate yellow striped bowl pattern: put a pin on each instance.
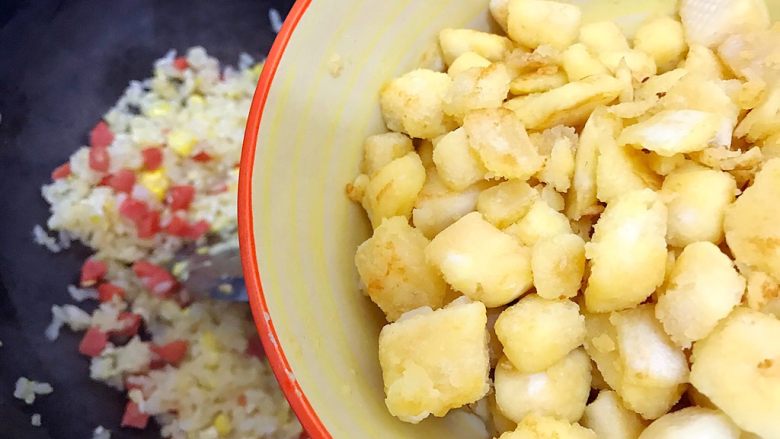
(306, 231)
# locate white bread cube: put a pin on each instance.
(393, 190)
(456, 42)
(537, 333)
(561, 391)
(475, 89)
(541, 222)
(535, 22)
(502, 144)
(692, 422)
(664, 40)
(742, 354)
(392, 267)
(610, 419)
(546, 427)
(558, 264)
(435, 361)
(506, 202)
(413, 104)
(381, 149)
(457, 164)
(751, 226)
(627, 252)
(481, 261)
(702, 289)
(697, 199)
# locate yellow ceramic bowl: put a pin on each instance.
(298, 230)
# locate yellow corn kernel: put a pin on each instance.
(208, 341)
(195, 100)
(223, 425)
(155, 182)
(181, 142)
(159, 109)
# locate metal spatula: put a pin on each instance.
(212, 269)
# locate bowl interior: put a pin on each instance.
(304, 228)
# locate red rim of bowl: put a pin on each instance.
(265, 327)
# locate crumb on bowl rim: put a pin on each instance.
(265, 327)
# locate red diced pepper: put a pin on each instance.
(133, 209)
(181, 63)
(61, 171)
(107, 292)
(180, 197)
(93, 342)
(198, 229)
(254, 348)
(148, 225)
(155, 278)
(122, 181)
(202, 157)
(101, 135)
(171, 353)
(178, 227)
(131, 323)
(153, 158)
(133, 417)
(99, 159)
(242, 400)
(92, 271)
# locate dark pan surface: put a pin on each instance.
(62, 65)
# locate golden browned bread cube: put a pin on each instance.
(627, 252)
(751, 226)
(609, 419)
(561, 391)
(546, 427)
(457, 164)
(481, 261)
(393, 269)
(558, 264)
(413, 104)
(697, 199)
(702, 289)
(393, 190)
(737, 368)
(506, 202)
(535, 22)
(435, 361)
(537, 333)
(502, 143)
(692, 422)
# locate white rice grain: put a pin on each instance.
(276, 20)
(27, 389)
